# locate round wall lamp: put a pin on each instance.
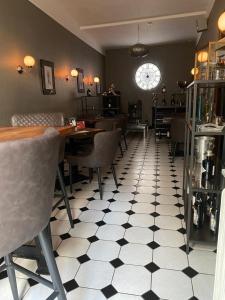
(202, 56)
(29, 62)
(194, 71)
(221, 23)
(96, 79)
(74, 73)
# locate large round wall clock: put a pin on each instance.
(148, 76)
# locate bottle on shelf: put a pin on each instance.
(214, 216)
(208, 165)
(172, 102)
(198, 210)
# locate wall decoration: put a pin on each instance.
(47, 77)
(80, 81)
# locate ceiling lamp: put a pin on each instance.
(221, 22)
(203, 56)
(139, 50)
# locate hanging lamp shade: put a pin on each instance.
(139, 50)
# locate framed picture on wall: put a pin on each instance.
(80, 81)
(47, 77)
(98, 88)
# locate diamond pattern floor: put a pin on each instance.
(130, 245)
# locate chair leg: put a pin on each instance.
(114, 175)
(90, 174)
(51, 263)
(121, 149)
(12, 277)
(125, 140)
(100, 182)
(71, 178)
(174, 151)
(66, 200)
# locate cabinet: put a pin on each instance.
(111, 105)
(161, 116)
(91, 105)
(204, 159)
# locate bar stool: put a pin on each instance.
(27, 178)
(109, 125)
(53, 120)
(102, 155)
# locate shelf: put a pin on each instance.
(203, 234)
(206, 133)
(207, 83)
(114, 108)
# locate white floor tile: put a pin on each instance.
(95, 274)
(98, 204)
(174, 285)
(139, 235)
(120, 206)
(168, 222)
(169, 238)
(85, 294)
(59, 227)
(202, 261)
(167, 210)
(83, 230)
(103, 250)
(132, 279)
(73, 247)
(117, 218)
(203, 286)
(144, 208)
(110, 232)
(91, 216)
(136, 254)
(124, 196)
(170, 258)
(141, 220)
(144, 198)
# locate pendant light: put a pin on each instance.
(139, 50)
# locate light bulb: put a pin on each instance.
(221, 22)
(74, 73)
(29, 61)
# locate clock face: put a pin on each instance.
(148, 76)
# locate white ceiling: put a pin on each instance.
(73, 14)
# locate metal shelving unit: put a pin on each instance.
(199, 94)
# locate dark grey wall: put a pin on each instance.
(174, 61)
(24, 29)
(212, 34)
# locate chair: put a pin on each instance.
(177, 132)
(28, 170)
(54, 120)
(102, 155)
(109, 125)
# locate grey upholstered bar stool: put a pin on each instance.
(177, 131)
(102, 155)
(53, 120)
(27, 179)
(109, 125)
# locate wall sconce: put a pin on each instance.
(29, 62)
(96, 79)
(221, 23)
(67, 77)
(202, 56)
(74, 73)
(194, 71)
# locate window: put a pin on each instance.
(148, 76)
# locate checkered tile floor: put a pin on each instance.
(131, 244)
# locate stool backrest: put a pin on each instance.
(106, 125)
(105, 147)
(41, 119)
(177, 130)
(38, 119)
(27, 179)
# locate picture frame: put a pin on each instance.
(47, 77)
(98, 88)
(80, 81)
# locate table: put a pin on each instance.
(15, 133)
